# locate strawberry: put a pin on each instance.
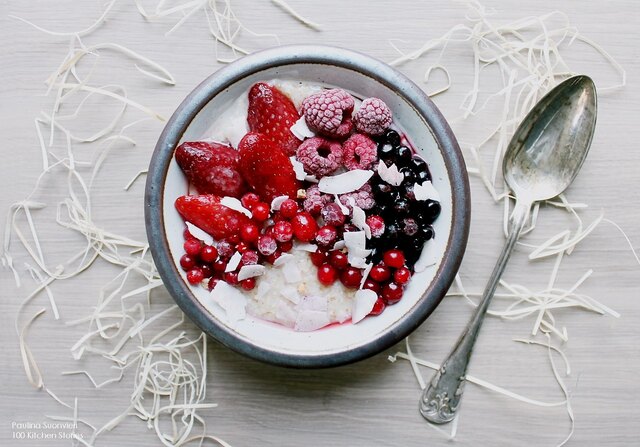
(272, 113)
(211, 167)
(266, 167)
(206, 212)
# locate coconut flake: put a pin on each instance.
(290, 293)
(311, 248)
(343, 208)
(339, 245)
(199, 234)
(359, 219)
(232, 300)
(365, 274)
(343, 183)
(356, 261)
(426, 191)
(355, 240)
(235, 204)
(291, 272)
(264, 287)
(301, 130)
(282, 259)
(363, 303)
(313, 302)
(285, 314)
(250, 271)
(427, 258)
(311, 320)
(234, 262)
(390, 174)
(298, 168)
(277, 201)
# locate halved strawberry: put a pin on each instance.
(205, 212)
(266, 167)
(211, 167)
(272, 113)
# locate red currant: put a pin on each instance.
(192, 247)
(391, 293)
(380, 273)
(285, 246)
(278, 217)
(195, 276)
(234, 239)
(249, 200)
(304, 226)
(260, 211)
(249, 233)
(402, 276)
(288, 208)
(371, 285)
(326, 236)
(378, 307)
(209, 253)
(272, 257)
(351, 277)
(249, 257)
(220, 266)
(327, 274)
(267, 245)
(242, 247)
(332, 214)
(231, 278)
(186, 234)
(394, 258)
(338, 259)
(225, 249)
(319, 257)
(212, 283)
(248, 284)
(376, 225)
(187, 262)
(283, 231)
(207, 271)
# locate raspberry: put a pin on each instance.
(332, 214)
(373, 117)
(362, 197)
(376, 224)
(319, 156)
(360, 152)
(315, 200)
(328, 112)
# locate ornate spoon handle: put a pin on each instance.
(441, 398)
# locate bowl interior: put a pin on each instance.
(253, 335)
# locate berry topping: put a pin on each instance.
(327, 274)
(267, 245)
(220, 266)
(212, 283)
(187, 262)
(362, 198)
(195, 276)
(205, 212)
(249, 257)
(351, 277)
(332, 214)
(272, 113)
(260, 211)
(371, 285)
(320, 156)
(394, 258)
(380, 273)
(378, 307)
(283, 231)
(285, 246)
(209, 253)
(319, 257)
(315, 200)
(266, 167)
(409, 226)
(192, 247)
(391, 293)
(392, 137)
(339, 259)
(225, 249)
(304, 226)
(249, 233)
(211, 167)
(376, 224)
(249, 200)
(328, 112)
(326, 236)
(402, 275)
(206, 270)
(360, 152)
(242, 247)
(248, 284)
(288, 208)
(231, 278)
(373, 117)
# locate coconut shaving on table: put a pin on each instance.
(168, 365)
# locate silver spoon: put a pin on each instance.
(543, 157)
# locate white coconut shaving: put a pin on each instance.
(298, 168)
(311, 320)
(277, 201)
(234, 262)
(359, 219)
(363, 303)
(390, 174)
(236, 205)
(199, 234)
(283, 259)
(250, 271)
(346, 182)
(301, 130)
(426, 191)
(231, 299)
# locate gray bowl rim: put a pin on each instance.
(312, 54)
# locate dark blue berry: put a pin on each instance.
(392, 137)
(409, 226)
(409, 176)
(386, 152)
(418, 164)
(403, 156)
(401, 206)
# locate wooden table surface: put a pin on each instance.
(373, 402)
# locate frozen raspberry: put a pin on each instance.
(326, 236)
(332, 214)
(328, 112)
(319, 156)
(267, 245)
(362, 198)
(360, 152)
(249, 257)
(376, 224)
(315, 200)
(373, 117)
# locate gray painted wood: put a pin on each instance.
(373, 402)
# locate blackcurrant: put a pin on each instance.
(392, 137)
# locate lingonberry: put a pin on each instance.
(391, 293)
(195, 276)
(304, 226)
(248, 284)
(327, 274)
(319, 257)
(402, 276)
(380, 273)
(209, 253)
(192, 247)
(249, 200)
(187, 262)
(351, 277)
(289, 208)
(338, 259)
(260, 211)
(378, 307)
(371, 285)
(283, 231)
(394, 258)
(231, 278)
(249, 233)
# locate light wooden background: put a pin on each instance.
(374, 402)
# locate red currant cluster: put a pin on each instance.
(387, 279)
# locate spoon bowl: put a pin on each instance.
(550, 145)
(542, 159)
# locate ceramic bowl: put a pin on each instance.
(430, 135)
